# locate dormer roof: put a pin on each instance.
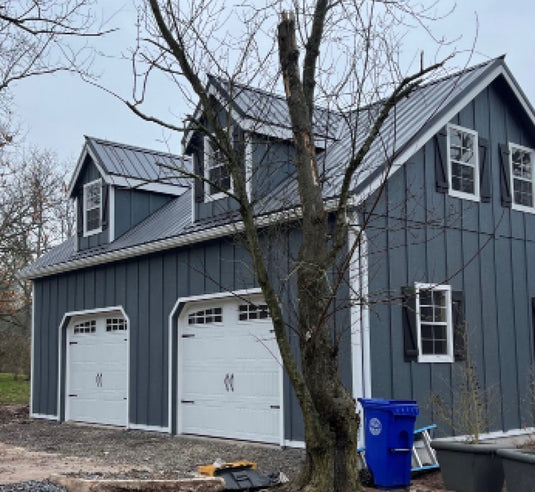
(133, 167)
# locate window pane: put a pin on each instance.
(426, 298)
(427, 313)
(523, 192)
(427, 347)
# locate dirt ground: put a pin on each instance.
(33, 449)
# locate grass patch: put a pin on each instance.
(14, 390)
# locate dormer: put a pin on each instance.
(115, 187)
(260, 130)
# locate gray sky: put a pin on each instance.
(56, 111)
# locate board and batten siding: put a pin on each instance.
(483, 249)
(147, 288)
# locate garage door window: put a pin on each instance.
(115, 324)
(204, 316)
(85, 327)
(253, 311)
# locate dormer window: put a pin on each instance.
(216, 172)
(463, 163)
(93, 207)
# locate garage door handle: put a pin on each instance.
(229, 382)
(98, 380)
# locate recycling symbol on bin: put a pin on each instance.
(375, 426)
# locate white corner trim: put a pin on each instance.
(32, 349)
(111, 213)
(65, 320)
(294, 444)
(150, 428)
(248, 165)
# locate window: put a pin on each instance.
(463, 164)
(216, 172)
(115, 324)
(85, 327)
(93, 207)
(213, 315)
(434, 323)
(522, 175)
(253, 311)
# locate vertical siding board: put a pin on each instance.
(397, 278)
(226, 266)
(44, 350)
(197, 275)
(144, 343)
(504, 289)
(212, 271)
(170, 295)
(157, 392)
(489, 322)
(381, 336)
(127, 282)
(245, 277)
(472, 299)
(521, 331)
(101, 292)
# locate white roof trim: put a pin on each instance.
(141, 184)
(85, 151)
(422, 138)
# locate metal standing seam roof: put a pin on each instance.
(140, 165)
(427, 105)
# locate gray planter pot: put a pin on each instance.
(469, 467)
(519, 469)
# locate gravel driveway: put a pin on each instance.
(138, 454)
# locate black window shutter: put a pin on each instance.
(485, 189)
(505, 176)
(459, 325)
(105, 207)
(199, 168)
(441, 161)
(410, 336)
(80, 215)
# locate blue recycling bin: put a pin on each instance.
(389, 428)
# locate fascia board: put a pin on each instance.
(140, 184)
(85, 151)
(431, 128)
(173, 242)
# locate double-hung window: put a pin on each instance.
(92, 207)
(215, 172)
(522, 175)
(434, 323)
(463, 164)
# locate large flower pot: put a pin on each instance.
(469, 467)
(519, 469)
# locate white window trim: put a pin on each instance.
(517, 206)
(208, 197)
(84, 218)
(448, 358)
(456, 193)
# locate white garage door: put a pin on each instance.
(231, 372)
(96, 389)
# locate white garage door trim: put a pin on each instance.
(63, 364)
(182, 302)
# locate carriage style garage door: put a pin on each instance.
(230, 384)
(96, 377)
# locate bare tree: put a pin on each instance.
(34, 216)
(350, 59)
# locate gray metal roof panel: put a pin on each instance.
(134, 162)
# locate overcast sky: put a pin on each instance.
(56, 111)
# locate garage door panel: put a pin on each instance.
(97, 370)
(232, 374)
